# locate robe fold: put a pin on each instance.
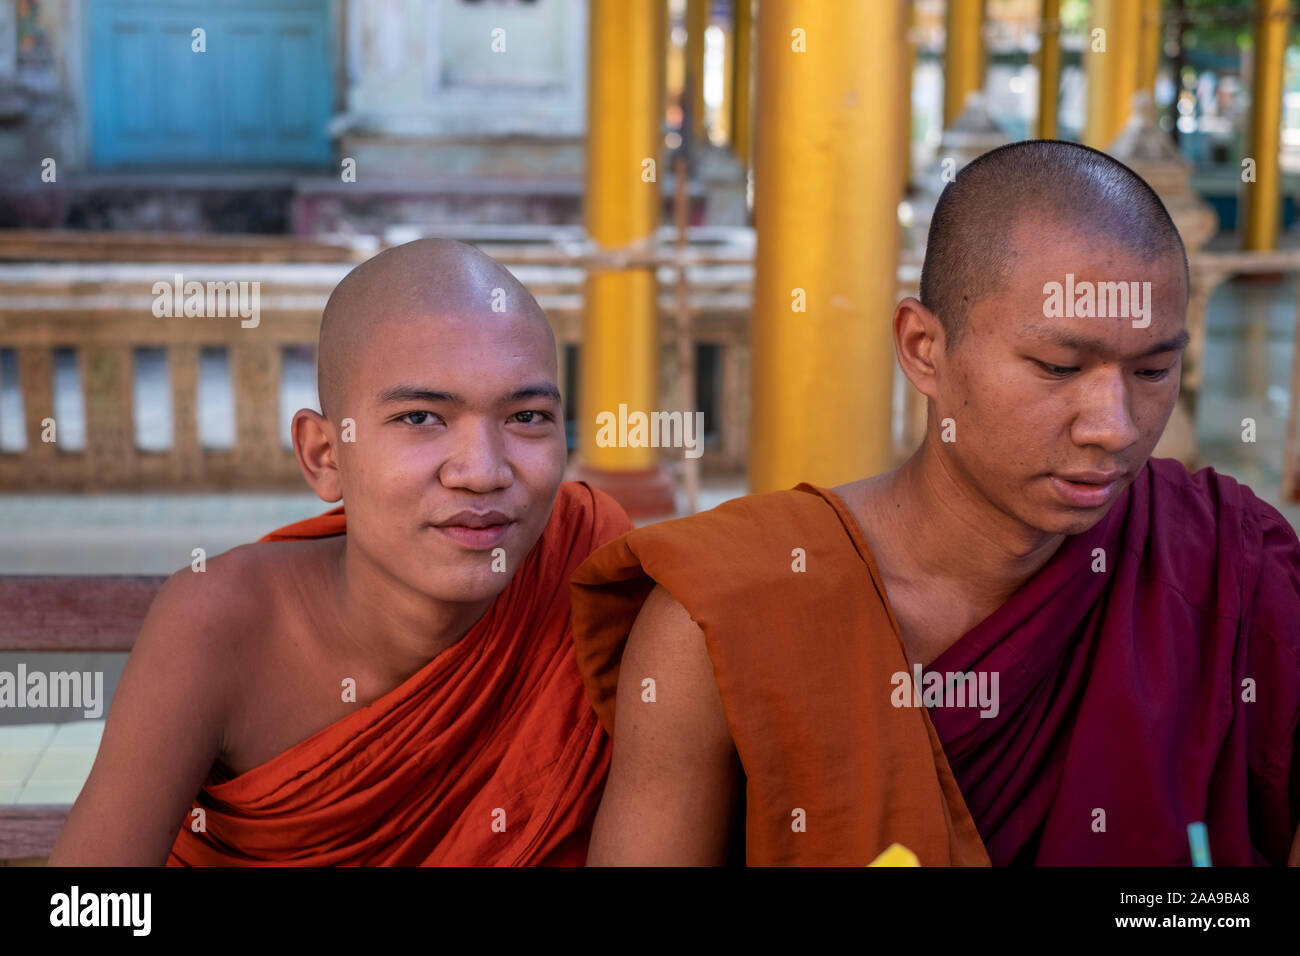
(1149, 671)
(488, 755)
(834, 775)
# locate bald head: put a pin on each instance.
(1059, 187)
(419, 281)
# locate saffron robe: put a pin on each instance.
(1162, 690)
(488, 755)
(834, 774)
(1161, 687)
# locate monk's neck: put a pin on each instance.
(949, 558)
(394, 628)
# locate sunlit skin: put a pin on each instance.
(1036, 401)
(446, 368)
(461, 415)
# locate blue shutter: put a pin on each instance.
(260, 96)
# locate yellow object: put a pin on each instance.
(697, 21)
(1263, 197)
(620, 340)
(909, 70)
(1150, 46)
(963, 55)
(742, 68)
(896, 855)
(827, 183)
(1112, 71)
(1049, 69)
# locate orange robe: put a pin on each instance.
(804, 647)
(488, 755)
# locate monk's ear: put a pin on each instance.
(918, 342)
(315, 442)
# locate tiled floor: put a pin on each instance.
(46, 763)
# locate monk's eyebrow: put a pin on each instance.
(1078, 343)
(534, 391)
(412, 393)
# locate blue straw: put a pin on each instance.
(1199, 838)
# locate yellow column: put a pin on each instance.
(909, 70)
(1263, 197)
(963, 55)
(697, 21)
(826, 179)
(1151, 45)
(664, 61)
(742, 66)
(723, 130)
(1112, 67)
(620, 339)
(674, 72)
(1049, 69)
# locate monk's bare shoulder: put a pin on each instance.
(672, 789)
(212, 634)
(182, 690)
(232, 596)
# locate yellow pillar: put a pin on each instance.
(697, 21)
(1150, 46)
(1261, 210)
(723, 130)
(827, 185)
(1112, 67)
(674, 73)
(1049, 69)
(909, 70)
(664, 61)
(620, 340)
(963, 55)
(742, 66)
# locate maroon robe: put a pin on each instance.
(1122, 690)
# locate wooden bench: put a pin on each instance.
(63, 613)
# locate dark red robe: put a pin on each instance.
(1162, 691)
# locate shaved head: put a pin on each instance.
(427, 278)
(1048, 410)
(972, 249)
(441, 426)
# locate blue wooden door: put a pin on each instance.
(259, 96)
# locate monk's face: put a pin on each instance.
(1055, 412)
(459, 449)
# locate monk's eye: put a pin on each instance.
(1155, 374)
(1057, 371)
(417, 418)
(530, 417)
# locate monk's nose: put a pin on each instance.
(477, 462)
(1105, 417)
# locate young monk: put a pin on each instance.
(1108, 646)
(397, 686)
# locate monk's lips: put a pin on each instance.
(482, 538)
(1086, 494)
